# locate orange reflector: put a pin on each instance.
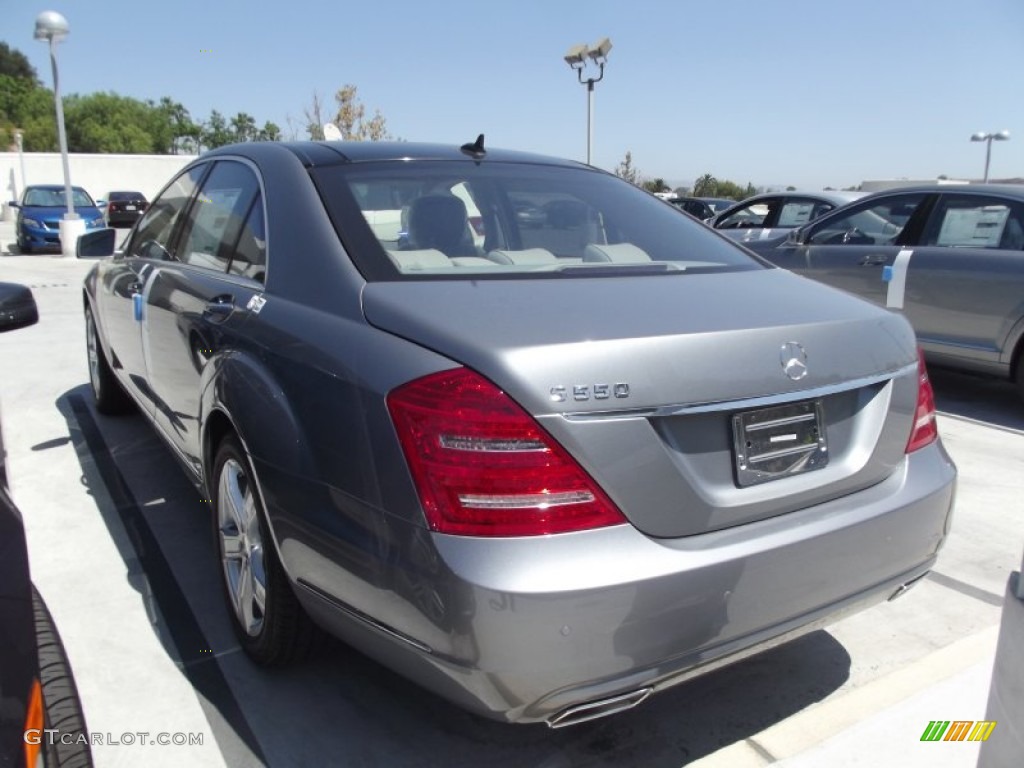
(34, 723)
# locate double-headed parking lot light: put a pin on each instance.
(52, 27)
(577, 59)
(988, 138)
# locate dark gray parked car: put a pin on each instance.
(960, 282)
(763, 221)
(541, 471)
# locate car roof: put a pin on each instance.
(52, 187)
(1007, 190)
(321, 153)
(832, 196)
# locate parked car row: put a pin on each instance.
(509, 424)
(949, 258)
(42, 206)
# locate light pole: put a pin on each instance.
(988, 138)
(19, 139)
(53, 28)
(577, 59)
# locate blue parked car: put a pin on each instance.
(40, 211)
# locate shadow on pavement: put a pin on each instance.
(341, 708)
(982, 398)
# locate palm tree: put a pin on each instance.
(705, 186)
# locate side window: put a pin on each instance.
(878, 222)
(250, 254)
(796, 212)
(216, 217)
(152, 238)
(970, 221)
(750, 216)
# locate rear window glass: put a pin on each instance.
(401, 220)
(120, 196)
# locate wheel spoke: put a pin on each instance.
(241, 547)
(245, 596)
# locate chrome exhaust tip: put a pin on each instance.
(592, 710)
(902, 589)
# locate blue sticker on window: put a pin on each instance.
(886, 274)
(138, 302)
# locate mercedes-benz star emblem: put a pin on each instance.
(794, 360)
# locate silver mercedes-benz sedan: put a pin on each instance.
(541, 468)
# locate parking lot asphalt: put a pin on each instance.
(122, 550)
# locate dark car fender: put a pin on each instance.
(238, 383)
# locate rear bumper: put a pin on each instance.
(523, 629)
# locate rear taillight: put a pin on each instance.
(484, 467)
(925, 430)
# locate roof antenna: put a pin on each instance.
(476, 149)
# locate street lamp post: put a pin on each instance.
(52, 27)
(577, 59)
(988, 138)
(19, 139)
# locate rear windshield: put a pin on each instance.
(412, 219)
(121, 196)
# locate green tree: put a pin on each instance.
(215, 131)
(243, 127)
(184, 133)
(626, 170)
(315, 119)
(15, 64)
(107, 122)
(655, 185)
(706, 186)
(269, 132)
(351, 118)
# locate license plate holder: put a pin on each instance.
(777, 442)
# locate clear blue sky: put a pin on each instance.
(802, 92)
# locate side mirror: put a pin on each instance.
(17, 306)
(14, 204)
(100, 203)
(796, 237)
(96, 245)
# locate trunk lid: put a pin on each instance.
(639, 378)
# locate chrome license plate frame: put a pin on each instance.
(779, 442)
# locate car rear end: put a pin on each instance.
(631, 471)
(124, 207)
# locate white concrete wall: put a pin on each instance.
(98, 174)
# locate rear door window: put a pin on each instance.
(217, 216)
(975, 221)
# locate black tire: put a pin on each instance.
(107, 391)
(1020, 372)
(275, 631)
(24, 249)
(61, 705)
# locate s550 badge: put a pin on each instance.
(581, 392)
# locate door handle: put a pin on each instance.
(876, 260)
(220, 308)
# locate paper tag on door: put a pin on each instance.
(896, 276)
